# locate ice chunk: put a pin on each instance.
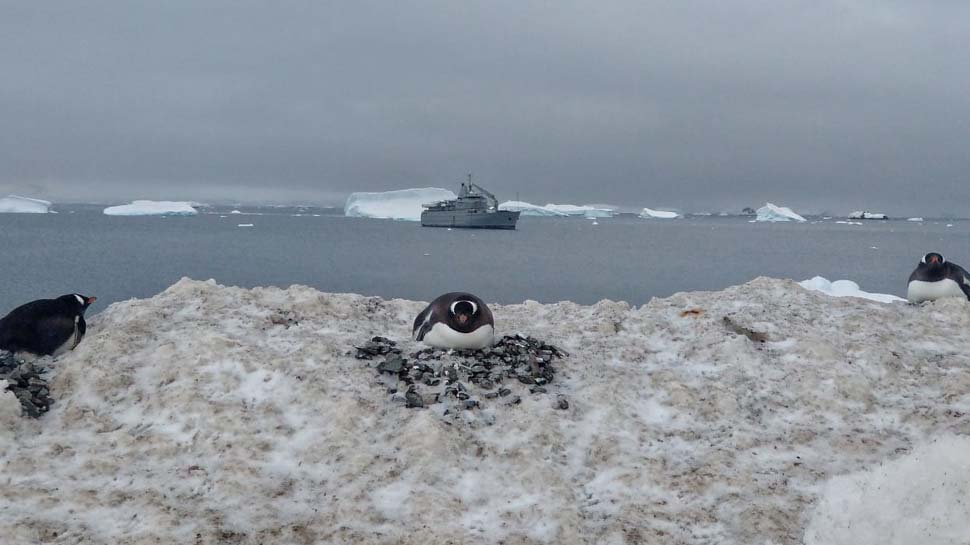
(529, 209)
(914, 219)
(402, 204)
(770, 212)
(152, 208)
(846, 288)
(918, 498)
(659, 214)
(15, 204)
(866, 215)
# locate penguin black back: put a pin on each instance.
(46, 326)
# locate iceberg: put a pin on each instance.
(658, 214)
(15, 204)
(152, 208)
(846, 288)
(218, 412)
(529, 209)
(914, 219)
(865, 215)
(586, 210)
(770, 212)
(401, 204)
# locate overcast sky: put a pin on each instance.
(815, 104)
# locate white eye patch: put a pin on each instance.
(472, 303)
(79, 299)
(942, 259)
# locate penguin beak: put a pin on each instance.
(934, 260)
(92, 299)
(462, 318)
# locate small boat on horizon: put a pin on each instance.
(475, 208)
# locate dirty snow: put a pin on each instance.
(152, 208)
(846, 288)
(771, 212)
(401, 204)
(198, 416)
(14, 204)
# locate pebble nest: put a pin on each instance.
(456, 380)
(26, 382)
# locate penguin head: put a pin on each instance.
(82, 302)
(933, 260)
(463, 313)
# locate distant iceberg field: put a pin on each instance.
(402, 204)
(770, 212)
(15, 204)
(152, 208)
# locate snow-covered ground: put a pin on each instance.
(764, 413)
(529, 209)
(14, 204)
(658, 214)
(866, 215)
(846, 288)
(771, 212)
(402, 204)
(153, 208)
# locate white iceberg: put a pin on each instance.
(529, 209)
(586, 210)
(914, 219)
(152, 208)
(658, 214)
(865, 215)
(15, 204)
(846, 288)
(770, 212)
(401, 204)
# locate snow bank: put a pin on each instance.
(586, 210)
(770, 212)
(402, 204)
(212, 414)
(13, 204)
(659, 214)
(919, 498)
(529, 209)
(864, 215)
(846, 288)
(152, 208)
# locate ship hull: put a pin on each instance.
(462, 219)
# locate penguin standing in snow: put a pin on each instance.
(935, 277)
(45, 327)
(455, 320)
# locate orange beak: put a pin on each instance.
(92, 299)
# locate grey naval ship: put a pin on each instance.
(475, 208)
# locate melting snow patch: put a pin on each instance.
(923, 497)
(846, 288)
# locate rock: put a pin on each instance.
(392, 364)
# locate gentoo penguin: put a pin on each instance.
(935, 277)
(455, 320)
(45, 327)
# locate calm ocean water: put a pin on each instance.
(546, 259)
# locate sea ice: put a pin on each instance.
(658, 214)
(152, 208)
(770, 212)
(14, 204)
(402, 204)
(846, 288)
(529, 209)
(213, 414)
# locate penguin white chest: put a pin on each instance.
(71, 341)
(443, 336)
(920, 291)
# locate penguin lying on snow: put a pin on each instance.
(935, 277)
(455, 320)
(45, 327)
